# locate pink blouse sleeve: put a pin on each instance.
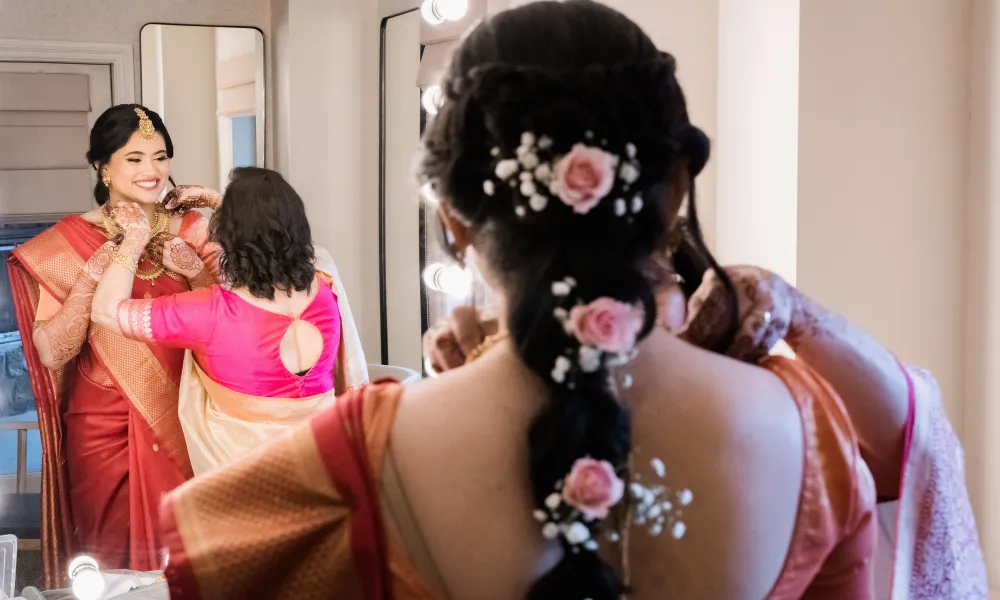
(185, 320)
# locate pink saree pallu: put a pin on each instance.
(929, 548)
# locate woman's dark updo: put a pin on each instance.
(111, 132)
(264, 233)
(573, 72)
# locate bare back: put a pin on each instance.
(729, 432)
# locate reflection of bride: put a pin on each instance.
(112, 444)
(264, 352)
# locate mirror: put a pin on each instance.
(403, 302)
(207, 83)
(420, 282)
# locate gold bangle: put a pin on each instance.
(124, 260)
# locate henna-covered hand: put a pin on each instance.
(134, 223)
(99, 261)
(182, 259)
(183, 198)
(448, 343)
(766, 306)
(59, 339)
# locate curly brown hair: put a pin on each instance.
(264, 233)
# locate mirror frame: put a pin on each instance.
(383, 284)
(266, 82)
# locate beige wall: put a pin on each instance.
(119, 21)
(982, 317)
(689, 29)
(189, 102)
(882, 179)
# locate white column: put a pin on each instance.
(758, 134)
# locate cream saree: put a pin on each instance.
(220, 424)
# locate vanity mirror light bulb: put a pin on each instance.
(436, 12)
(87, 581)
(431, 99)
(449, 279)
(452, 10)
(427, 191)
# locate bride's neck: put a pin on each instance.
(149, 209)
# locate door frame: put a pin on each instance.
(119, 57)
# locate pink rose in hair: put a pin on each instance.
(592, 487)
(606, 324)
(583, 177)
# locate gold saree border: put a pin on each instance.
(57, 537)
(52, 260)
(260, 409)
(140, 376)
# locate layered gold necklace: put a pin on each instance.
(159, 233)
(486, 346)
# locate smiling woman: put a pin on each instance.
(107, 406)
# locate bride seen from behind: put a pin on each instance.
(591, 454)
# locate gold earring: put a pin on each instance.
(105, 178)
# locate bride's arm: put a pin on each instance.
(868, 378)
(115, 285)
(58, 339)
(865, 375)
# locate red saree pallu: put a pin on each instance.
(111, 439)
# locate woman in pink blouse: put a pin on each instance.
(266, 349)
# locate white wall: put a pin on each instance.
(189, 102)
(119, 21)
(758, 134)
(328, 136)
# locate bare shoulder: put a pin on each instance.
(497, 383)
(733, 434)
(93, 215)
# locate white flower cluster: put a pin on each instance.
(527, 172)
(533, 171)
(588, 358)
(655, 508)
(628, 172)
(561, 519)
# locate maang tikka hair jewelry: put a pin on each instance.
(146, 130)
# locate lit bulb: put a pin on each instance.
(87, 581)
(436, 12)
(449, 279)
(429, 13)
(431, 99)
(452, 10)
(427, 191)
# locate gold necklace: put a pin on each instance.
(158, 232)
(488, 343)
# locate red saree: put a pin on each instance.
(112, 442)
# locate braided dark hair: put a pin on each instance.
(569, 71)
